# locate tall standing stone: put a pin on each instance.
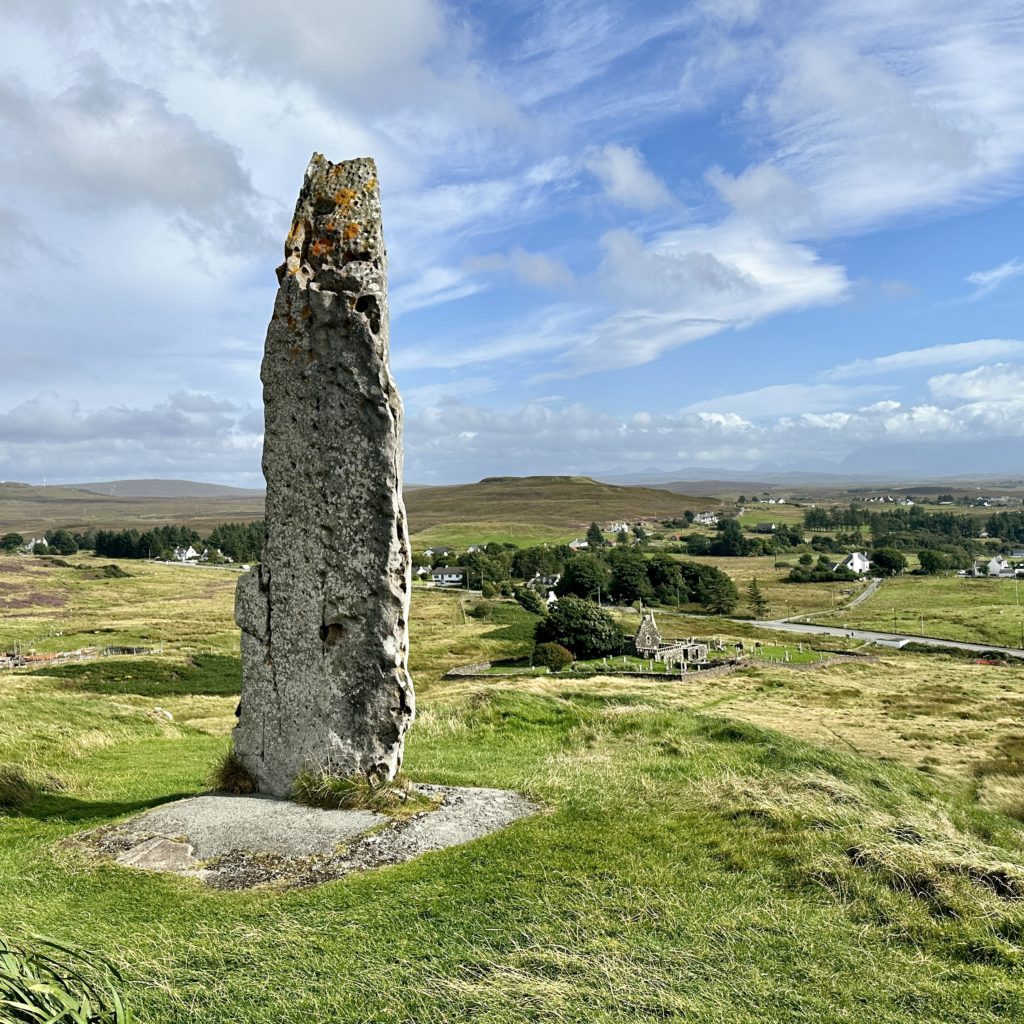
(324, 617)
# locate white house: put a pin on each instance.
(857, 562)
(440, 552)
(706, 519)
(618, 527)
(578, 545)
(449, 576)
(474, 549)
(188, 554)
(542, 582)
(33, 544)
(421, 570)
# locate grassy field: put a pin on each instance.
(460, 535)
(836, 844)
(950, 607)
(784, 599)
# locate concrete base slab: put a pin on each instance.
(237, 842)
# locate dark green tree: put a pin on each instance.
(595, 538)
(629, 581)
(62, 542)
(586, 630)
(756, 601)
(585, 576)
(11, 542)
(933, 562)
(889, 561)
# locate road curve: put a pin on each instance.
(890, 639)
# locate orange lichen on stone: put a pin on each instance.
(370, 185)
(321, 247)
(351, 231)
(344, 196)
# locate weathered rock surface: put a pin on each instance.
(237, 842)
(324, 617)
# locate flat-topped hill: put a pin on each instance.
(572, 502)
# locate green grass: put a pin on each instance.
(460, 535)
(202, 674)
(689, 862)
(949, 607)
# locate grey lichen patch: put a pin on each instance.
(324, 616)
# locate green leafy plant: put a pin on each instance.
(554, 656)
(37, 986)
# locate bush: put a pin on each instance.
(531, 601)
(488, 589)
(554, 656)
(36, 986)
(581, 627)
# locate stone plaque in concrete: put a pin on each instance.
(324, 617)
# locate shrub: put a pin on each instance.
(36, 986)
(554, 656)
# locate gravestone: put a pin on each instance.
(324, 616)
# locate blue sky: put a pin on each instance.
(622, 236)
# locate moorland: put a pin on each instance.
(837, 837)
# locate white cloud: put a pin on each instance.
(626, 178)
(924, 358)
(986, 281)
(1002, 381)
(777, 399)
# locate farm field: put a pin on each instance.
(692, 859)
(949, 607)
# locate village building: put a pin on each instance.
(706, 519)
(186, 554)
(998, 567)
(649, 644)
(541, 582)
(617, 528)
(578, 545)
(856, 562)
(765, 528)
(475, 549)
(449, 576)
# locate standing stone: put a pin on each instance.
(324, 617)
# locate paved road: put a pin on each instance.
(892, 639)
(875, 583)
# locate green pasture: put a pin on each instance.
(949, 607)
(837, 845)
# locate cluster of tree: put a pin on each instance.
(1006, 526)
(156, 543)
(625, 575)
(730, 541)
(242, 542)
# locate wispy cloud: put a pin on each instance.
(987, 281)
(924, 358)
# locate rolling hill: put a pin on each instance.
(570, 502)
